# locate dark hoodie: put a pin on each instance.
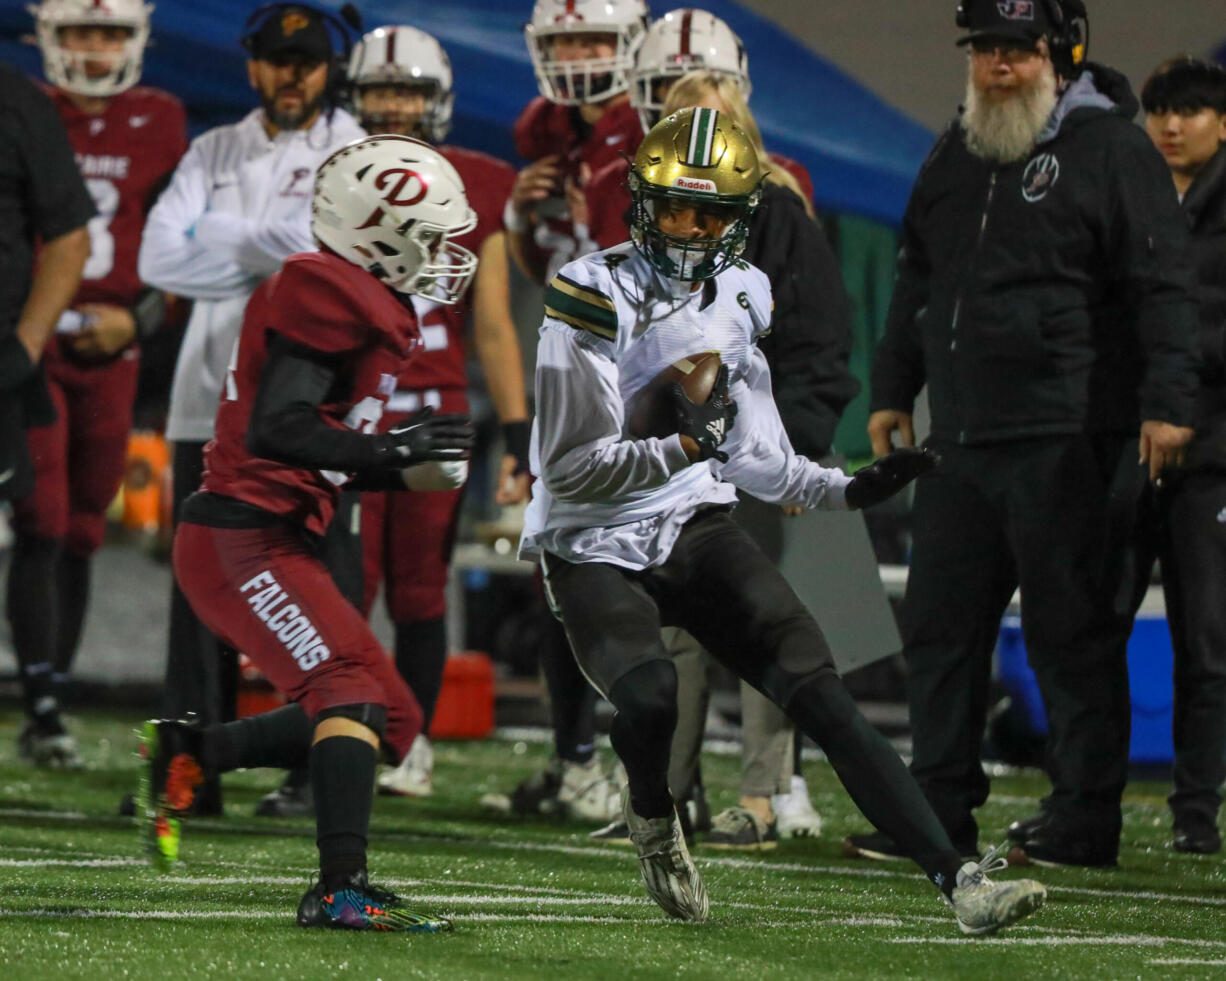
(1204, 204)
(1047, 296)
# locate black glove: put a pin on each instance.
(707, 424)
(15, 363)
(516, 437)
(426, 436)
(886, 477)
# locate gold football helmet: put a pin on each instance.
(702, 158)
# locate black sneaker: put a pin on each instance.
(171, 752)
(359, 905)
(293, 799)
(882, 848)
(538, 794)
(1197, 835)
(1025, 828)
(1054, 846)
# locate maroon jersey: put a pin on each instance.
(546, 128)
(487, 181)
(323, 302)
(123, 153)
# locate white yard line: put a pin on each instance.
(1100, 940)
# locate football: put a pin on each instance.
(651, 411)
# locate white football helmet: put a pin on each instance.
(66, 69)
(392, 204)
(574, 83)
(402, 55)
(679, 42)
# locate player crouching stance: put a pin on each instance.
(322, 344)
(635, 533)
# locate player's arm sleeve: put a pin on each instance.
(579, 418)
(1150, 241)
(58, 199)
(171, 258)
(760, 456)
(286, 424)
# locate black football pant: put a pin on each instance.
(1185, 529)
(718, 585)
(1054, 515)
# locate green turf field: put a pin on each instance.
(535, 900)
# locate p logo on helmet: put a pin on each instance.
(293, 21)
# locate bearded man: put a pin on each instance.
(1043, 295)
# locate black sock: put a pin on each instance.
(877, 780)
(343, 781)
(280, 738)
(72, 581)
(421, 653)
(572, 700)
(645, 703)
(33, 615)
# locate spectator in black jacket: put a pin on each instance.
(1185, 116)
(1044, 296)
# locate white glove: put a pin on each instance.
(435, 475)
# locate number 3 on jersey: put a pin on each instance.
(101, 241)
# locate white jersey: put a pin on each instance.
(238, 206)
(612, 324)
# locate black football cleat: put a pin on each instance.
(1196, 834)
(1025, 828)
(293, 799)
(359, 905)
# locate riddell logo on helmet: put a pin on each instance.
(695, 184)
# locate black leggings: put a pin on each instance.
(718, 585)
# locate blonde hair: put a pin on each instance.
(691, 88)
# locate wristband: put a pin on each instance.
(516, 438)
(513, 221)
(148, 312)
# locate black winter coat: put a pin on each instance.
(809, 344)
(1204, 204)
(1051, 295)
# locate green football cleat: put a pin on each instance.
(168, 783)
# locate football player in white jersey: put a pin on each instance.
(635, 533)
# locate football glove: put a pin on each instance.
(15, 363)
(425, 436)
(707, 424)
(886, 477)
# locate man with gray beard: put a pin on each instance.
(1043, 295)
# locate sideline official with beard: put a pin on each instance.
(1043, 295)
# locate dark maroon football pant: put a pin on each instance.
(79, 459)
(408, 538)
(265, 592)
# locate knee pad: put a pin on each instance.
(646, 696)
(374, 717)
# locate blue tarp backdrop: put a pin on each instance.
(862, 153)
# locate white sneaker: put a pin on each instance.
(668, 871)
(983, 906)
(57, 751)
(588, 793)
(795, 814)
(413, 777)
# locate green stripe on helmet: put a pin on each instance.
(702, 137)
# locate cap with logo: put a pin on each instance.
(291, 30)
(1022, 20)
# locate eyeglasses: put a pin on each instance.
(1010, 51)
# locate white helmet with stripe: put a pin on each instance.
(683, 41)
(392, 205)
(405, 56)
(586, 80)
(68, 69)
